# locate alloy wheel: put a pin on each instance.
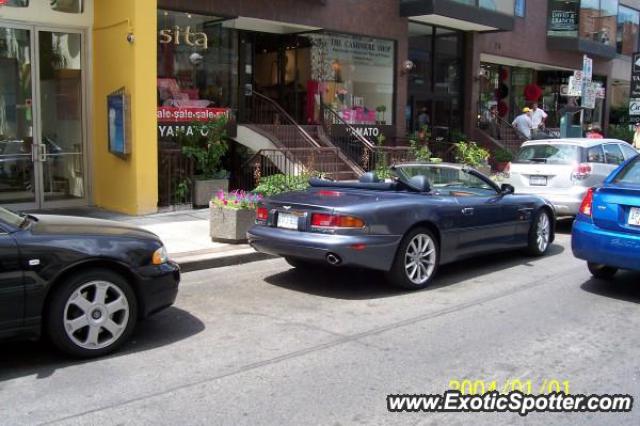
(543, 230)
(96, 315)
(420, 259)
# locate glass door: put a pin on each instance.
(18, 177)
(61, 124)
(42, 123)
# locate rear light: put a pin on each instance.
(587, 203)
(319, 220)
(327, 193)
(262, 214)
(582, 171)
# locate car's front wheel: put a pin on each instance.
(92, 313)
(601, 271)
(417, 260)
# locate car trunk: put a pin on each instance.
(326, 199)
(541, 175)
(614, 207)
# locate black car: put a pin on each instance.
(82, 282)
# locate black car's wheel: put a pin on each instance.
(302, 263)
(92, 313)
(601, 271)
(417, 260)
(539, 234)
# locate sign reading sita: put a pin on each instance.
(178, 35)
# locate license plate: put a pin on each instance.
(634, 216)
(287, 221)
(538, 180)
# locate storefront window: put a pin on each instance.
(598, 20)
(501, 6)
(563, 16)
(448, 61)
(197, 62)
(521, 8)
(627, 36)
(68, 6)
(354, 75)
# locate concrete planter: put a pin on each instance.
(230, 226)
(204, 190)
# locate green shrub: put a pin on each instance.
(502, 156)
(471, 154)
(276, 184)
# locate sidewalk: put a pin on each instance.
(185, 234)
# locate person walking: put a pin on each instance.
(523, 123)
(636, 137)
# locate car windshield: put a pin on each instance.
(630, 174)
(10, 217)
(447, 180)
(548, 154)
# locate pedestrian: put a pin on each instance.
(538, 120)
(423, 118)
(523, 123)
(594, 132)
(636, 137)
(490, 121)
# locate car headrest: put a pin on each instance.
(369, 177)
(420, 183)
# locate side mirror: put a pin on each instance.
(505, 188)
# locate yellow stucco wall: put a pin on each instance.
(126, 185)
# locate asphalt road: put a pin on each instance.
(266, 344)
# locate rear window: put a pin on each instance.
(548, 154)
(630, 174)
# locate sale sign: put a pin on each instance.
(190, 114)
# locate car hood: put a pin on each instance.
(82, 226)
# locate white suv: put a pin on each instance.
(562, 170)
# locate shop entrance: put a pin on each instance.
(277, 66)
(42, 127)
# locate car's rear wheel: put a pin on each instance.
(601, 271)
(540, 234)
(92, 313)
(417, 260)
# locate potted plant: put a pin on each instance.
(279, 183)
(205, 144)
(381, 109)
(231, 215)
(501, 159)
(471, 154)
(419, 145)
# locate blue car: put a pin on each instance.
(606, 231)
(429, 215)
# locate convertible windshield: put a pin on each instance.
(548, 154)
(447, 180)
(10, 217)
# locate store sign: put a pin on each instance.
(634, 106)
(354, 50)
(368, 131)
(575, 84)
(563, 15)
(634, 92)
(173, 121)
(178, 35)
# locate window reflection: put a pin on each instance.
(67, 6)
(627, 37)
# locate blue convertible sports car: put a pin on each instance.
(606, 232)
(431, 214)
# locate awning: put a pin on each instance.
(453, 14)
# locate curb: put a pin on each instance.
(200, 261)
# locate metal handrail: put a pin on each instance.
(350, 128)
(288, 118)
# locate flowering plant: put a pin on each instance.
(236, 200)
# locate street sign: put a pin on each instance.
(634, 91)
(589, 95)
(587, 68)
(575, 84)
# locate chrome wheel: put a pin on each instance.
(543, 231)
(96, 315)
(420, 259)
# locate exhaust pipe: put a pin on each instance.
(333, 259)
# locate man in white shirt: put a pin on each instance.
(538, 117)
(523, 123)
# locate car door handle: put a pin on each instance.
(467, 211)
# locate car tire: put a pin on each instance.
(416, 261)
(601, 271)
(92, 313)
(540, 234)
